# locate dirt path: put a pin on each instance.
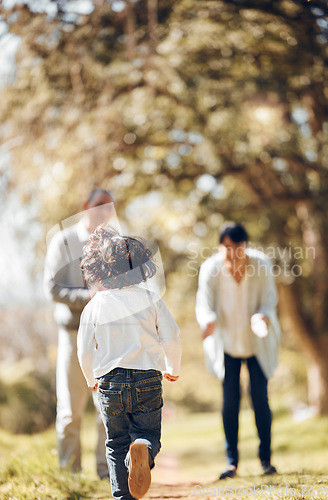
(166, 480)
(171, 492)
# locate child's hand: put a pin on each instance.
(170, 378)
(95, 387)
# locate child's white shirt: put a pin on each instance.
(127, 328)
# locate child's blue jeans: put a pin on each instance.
(130, 402)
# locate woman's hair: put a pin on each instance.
(236, 232)
(110, 257)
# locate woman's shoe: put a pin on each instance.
(231, 472)
(268, 468)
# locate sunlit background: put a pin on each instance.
(191, 113)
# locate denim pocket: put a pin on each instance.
(110, 401)
(149, 398)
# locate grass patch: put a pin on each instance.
(300, 453)
(29, 464)
(29, 470)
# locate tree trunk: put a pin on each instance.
(318, 384)
(314, 348)
(130, 30)
(152, 23)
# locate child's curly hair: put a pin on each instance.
(109, 257)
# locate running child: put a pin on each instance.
(127, 341)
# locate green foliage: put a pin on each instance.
(234, 76)
(28, 403)
(217, 111)
(217, 97)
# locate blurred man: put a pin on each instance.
(64, 285)
(236, 309)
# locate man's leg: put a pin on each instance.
(230, 410)
(72, 394)
(259, 395)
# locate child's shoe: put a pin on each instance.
(139, 470)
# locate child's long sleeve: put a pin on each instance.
(86, 346)
(168, 332)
